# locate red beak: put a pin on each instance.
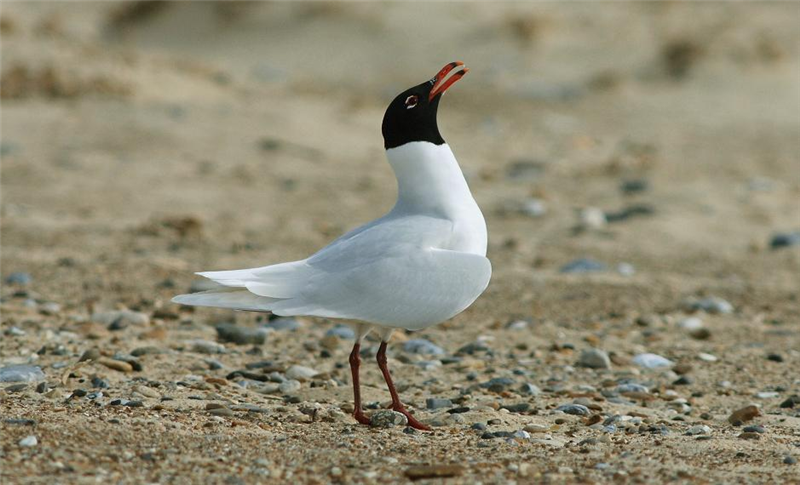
(440, 85)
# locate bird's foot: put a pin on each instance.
(412, 421)
(361, 417)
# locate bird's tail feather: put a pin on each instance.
(233, 298)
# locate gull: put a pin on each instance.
(419, 265)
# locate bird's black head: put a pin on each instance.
(412, 114)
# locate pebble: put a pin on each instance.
(148, 350)
(651, 361)
(29, 441)
(767, 395)
(121, 319)
(791, 401)
(206, 347)
(387, 419)
(49, 308)
(536, 428)
(289, 386)
(583, 265)
(15, 332)
(709, 305)
(785, 240)
(533, 207)
(592, 218)
(749, 436)
(221, 411)
(229, 332)
(117, 365)
(422, 346)
(754, 429)
(517, 408)
(707, 357)
(594, 359)
(698, 430)
(634, 186)
(99, 383)
(433, 471)
(691, 323)
(626, 269)
(574, 409)
(301, 373)
(528, 389)
(437, 403)
(19, 278)
(21, 373)
(775, 357)
(147, 392)
(789, 460)
(498, 384)
(342, 331)
(284, 324)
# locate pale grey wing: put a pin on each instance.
(412, 290)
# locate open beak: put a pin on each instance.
(439, 83)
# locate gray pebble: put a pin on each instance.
(283, 324)
(229, 332)
(528, 389)
(754, 429)
(342, 331)
(437, 403)
(583, 265)
(205, 347)
(422, 346)
(574, 409)
(652, 361)
(698, 430)
(711, 304)
(594, 359)
(121, 319)
(289, 386)
(784, 240)
(789, 460)
(21, 373)
(387, 419)
(19, 278)
(301, 373)
(29, 441)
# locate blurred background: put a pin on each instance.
(638, 164)
(195, 135)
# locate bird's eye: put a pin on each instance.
(411, 101)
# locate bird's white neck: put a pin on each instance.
(429, 180)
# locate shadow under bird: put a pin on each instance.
(420, 264)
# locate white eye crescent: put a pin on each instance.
(411, 101)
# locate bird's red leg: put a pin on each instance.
(396, 404)
(355, 362)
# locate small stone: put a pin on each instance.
(706, 357)
(789, 460)
(536, 428)
(422, 346)
(754, 429)
(583, 265)
(433, 471)
(791, 401)
(99, 383)
(592, 218)
(121, 319)
(16, 388)
(785, 240)
(437, 403)
(682, 381)
(743, 415)
(517, 408)
(626, 269)
(283, 324)
(767, 395)
(289, 386)
(634, 186)
(498, 384)
(700, 429)
(148, 350)
(574, 409)
(206, 347)
(533, 207)
(594, 359)
(21, 373)
(229, 332)
(91, 354)
(342, 331)
(117, 365)
(221, 411)
(691, 323)
(387, 419)
(775, 357)
(651, 361)
(147, 392)
(49, 308)
(529, 389)
(749, 436)
(29, 441)
(709, 305)
(301, 373)
(19, 278)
